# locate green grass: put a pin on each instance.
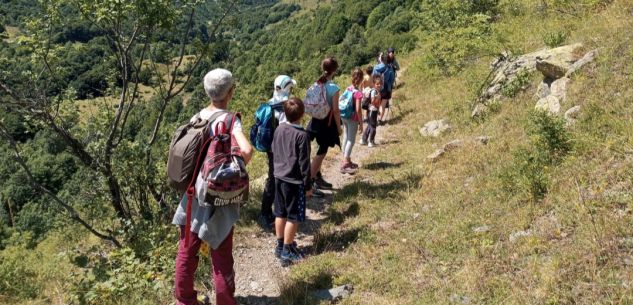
(404, 232)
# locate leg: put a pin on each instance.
(186, 265)
(268, 196)
(315, 166)
(373, 124)
(350, 139)
(290, 231)
(223, 273)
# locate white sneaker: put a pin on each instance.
(371, 144)
(362, 142)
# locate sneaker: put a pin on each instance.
(348, 169)
(353, 165)
(290, 257)
(371, 144)
(316, 193)
(278, 250)
(363, 142)
(203, 299)
(266, 222)
(322, 184)
(297, 250)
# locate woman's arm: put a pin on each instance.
(245, 146)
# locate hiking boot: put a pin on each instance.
(322, 184)
(371, 144)
(363, 142)
(353, 165)
(289, 258)
(266, 222)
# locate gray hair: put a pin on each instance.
(217, 84)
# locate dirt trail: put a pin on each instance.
(258, 272)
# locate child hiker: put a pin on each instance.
(372, 114)
(353, 123)
(293, 183)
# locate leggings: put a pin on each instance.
(351, 128)
(372, 123)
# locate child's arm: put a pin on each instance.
(304, 161)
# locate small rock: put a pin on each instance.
(482, 229)
(436, 155)
(452, 145)
(628, 261)
(519, 234)
(483, 140)
(334, 294)
(572, 113)
(459, 299)
(559, 88)
(435, 128)
(416, 215)
(479, 110)
(550, 104)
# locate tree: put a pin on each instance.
(125, 165)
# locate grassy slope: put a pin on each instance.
(403, 233)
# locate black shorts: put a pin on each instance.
(385, 95)
(290, 201)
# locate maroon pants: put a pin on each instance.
(223, 274)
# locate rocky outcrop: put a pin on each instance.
(435, 128)
(556, 65)
(452, 145)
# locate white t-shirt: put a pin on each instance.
(205, 114)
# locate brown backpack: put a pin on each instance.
(187, 147)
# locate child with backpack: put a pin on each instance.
(293, 182)
(372, 113)
(267, 117)
(352, 117)
(386, 71)
(203, 216)
(326, 129)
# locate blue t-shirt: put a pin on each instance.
(330, 90)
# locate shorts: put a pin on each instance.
(290, 201)
(385, 95)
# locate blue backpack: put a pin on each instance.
(262, 131)
(387, 74)
(346, 103)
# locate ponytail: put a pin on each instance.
(329, 66)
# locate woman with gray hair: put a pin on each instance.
(211, 224)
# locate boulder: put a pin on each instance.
(452, 145)
(555, 63)
(550, 104)
(571, 115)
(559, 88)
(435, 128)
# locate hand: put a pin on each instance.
(309, 194)
(360, 129)
(340, 131)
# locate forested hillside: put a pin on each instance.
(91, 91)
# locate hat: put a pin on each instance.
(391, 50)
(283, 84)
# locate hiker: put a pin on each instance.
(283, 85)
(352, 117)
(293, 183)
(325, 131)
(386, 71)
(369, 135)
(210, 224)
(391, 53)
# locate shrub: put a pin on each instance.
(554, 39)
(520, 83)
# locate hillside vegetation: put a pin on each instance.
(542, 214)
